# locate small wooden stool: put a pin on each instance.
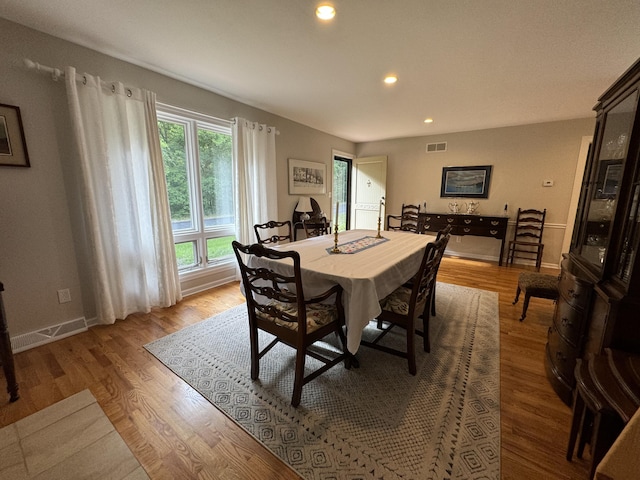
(538, 285)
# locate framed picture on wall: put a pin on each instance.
(13, 148)
(307, 178)
(467, 182)
(609, 176)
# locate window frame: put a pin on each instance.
(199, 233)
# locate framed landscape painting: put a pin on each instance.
(307, 178)
(466, 182)
(13, 148)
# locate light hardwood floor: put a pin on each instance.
(175, 433)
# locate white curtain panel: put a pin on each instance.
(254, 149)
(124, 197)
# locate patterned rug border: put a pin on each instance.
(320, 440)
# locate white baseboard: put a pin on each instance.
(206, 286)
(29, 340)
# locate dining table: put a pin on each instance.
(368, 268)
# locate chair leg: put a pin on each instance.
(539, 257)
(425, 331)
(411, 349)
(515, 300)
(299, 377)
(525, 305)
(433, 300)
(255, 354)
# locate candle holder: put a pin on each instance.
(335, 248)
(379, 222)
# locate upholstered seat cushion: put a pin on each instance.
(318, 315)
(539, 284)
(397, 301)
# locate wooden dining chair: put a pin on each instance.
(408, 302)
(527, 237)
(276, 304)
(407, 221)
(273, 232)
(316, 227)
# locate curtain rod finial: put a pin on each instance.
(31, 64)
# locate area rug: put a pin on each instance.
(373, 422)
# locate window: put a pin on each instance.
(198, 162)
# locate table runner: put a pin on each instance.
(355, 246)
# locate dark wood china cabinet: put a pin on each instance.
(603, 266)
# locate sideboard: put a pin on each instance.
(463, 224)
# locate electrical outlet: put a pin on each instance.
(64, 296)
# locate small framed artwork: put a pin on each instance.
(13, 148)
(609, 176)
(466, 182)
(307, 178)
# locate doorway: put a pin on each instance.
(342, 164)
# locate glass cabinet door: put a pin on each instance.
(605, 177)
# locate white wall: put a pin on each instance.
(522, 158)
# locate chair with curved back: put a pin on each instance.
(276, 304)
(527, 237)
(316, 228)
(272, 232)
(407, 221)
(410, 301)
(446, 231)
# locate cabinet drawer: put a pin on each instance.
(479, 231)
(562, 354)
(569, 322)
(434, 222)
(575, 292)
(479, 221)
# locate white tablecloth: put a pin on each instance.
(366, 276)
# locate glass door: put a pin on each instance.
(605, 179)
(341, 191)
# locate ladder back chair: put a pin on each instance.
(527, 237)
(408, 302)
(273, 232)
(276, 304)
(407, 221)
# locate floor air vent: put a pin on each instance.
(436, 147)
(26, 341)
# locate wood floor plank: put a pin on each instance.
(175, 433)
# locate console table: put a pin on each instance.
(463, 224)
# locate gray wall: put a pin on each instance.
(522, 158)
(41, 240)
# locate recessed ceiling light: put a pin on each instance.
(428, 120)
(325, 12)
(390, 79)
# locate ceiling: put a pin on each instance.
(467, 64)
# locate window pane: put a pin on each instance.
(172, 141)
(186, 254)
(216, 177)
(220, 247)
